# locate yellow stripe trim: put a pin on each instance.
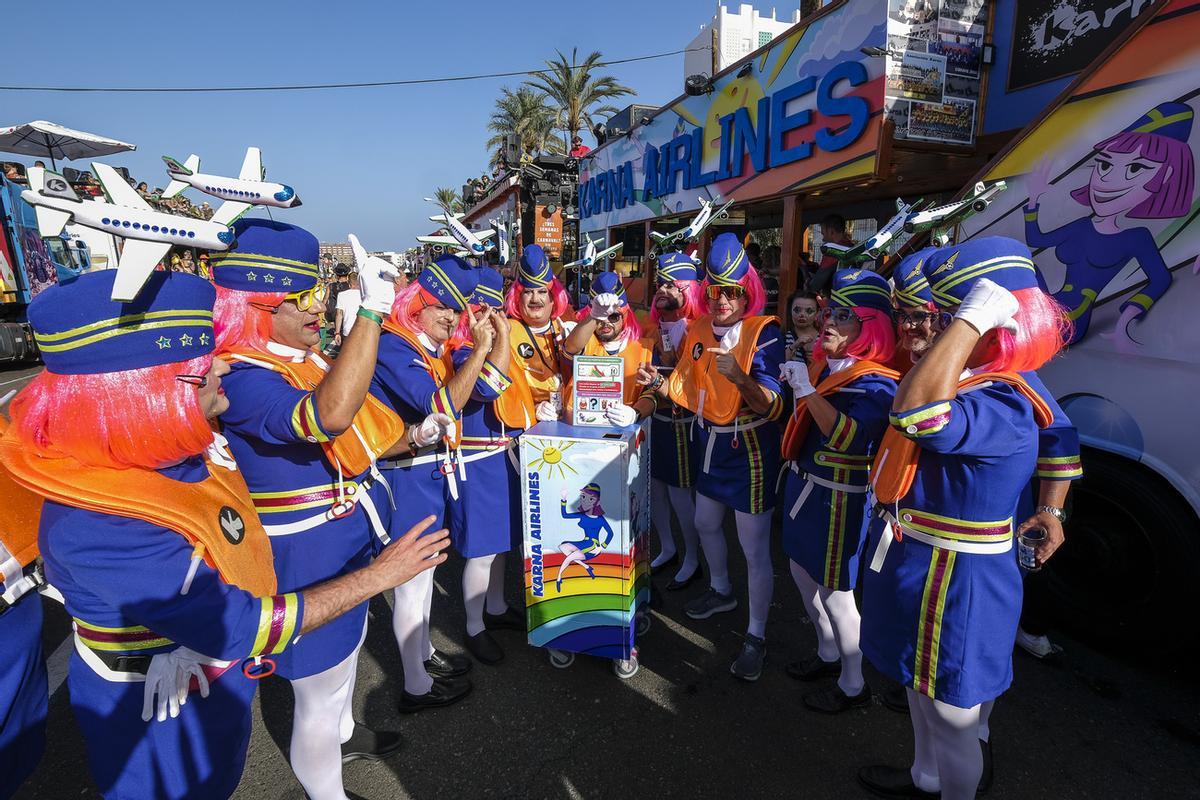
(125, 320)
(447, 283)
(943, 590)
(99, 337)
(1157, 120)
(920, 416)
(265, 614)
(241, 256)
(1143, 300)
(965, 523)
(291, 606)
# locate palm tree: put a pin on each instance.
(527, 114)
(576, 91)
(448, 198)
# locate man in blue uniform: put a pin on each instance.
(23, 690)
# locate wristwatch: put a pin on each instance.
(1057, 513)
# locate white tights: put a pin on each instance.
(754, 533)
(483, 584)
(946, 747)
(663, 498)
(410, 621)
(323, 720)
(835, 616)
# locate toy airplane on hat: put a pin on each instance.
(878, 244)
(476, 243)
(589, 255)
(148, 234)
(942, 218)
(248, 189)
(707, 216)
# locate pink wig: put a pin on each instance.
(1044, 327)
(130, 418)
(694, 304)
(239, 325)
(1171, 189)
(561, 303)
(632, 330)
(875, 342)
(756, 294)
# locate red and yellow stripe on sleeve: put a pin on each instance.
(278, 624)
(440, 403)
(494, 377)
(1060, 468)
(930, 419)
(305, 421)
(843, 433)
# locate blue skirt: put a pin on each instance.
(743, 476)
(939, 621)
(23, 693)
(827, 536)
(486, 514)
(420, 491)
(674, 459)
(198, 755)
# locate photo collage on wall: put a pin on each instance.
(934, 63)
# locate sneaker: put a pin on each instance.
(1037, 646)
(709, 603)
(748, 665)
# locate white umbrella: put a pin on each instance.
(48, 140)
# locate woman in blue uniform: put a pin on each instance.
(483, 520)
(597, 533)
(727, 373)
(943, 592)
(828, 445)
(153, 540)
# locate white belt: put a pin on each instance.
(430, 456)
(811, 480)
(328, 515)
(708, 448)
(664, 418)
(112, 676)
(885, 541)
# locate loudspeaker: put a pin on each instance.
(512, 149)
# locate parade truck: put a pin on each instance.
(1102, 187)
(29, 263)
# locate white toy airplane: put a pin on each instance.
(476, 243)
(879, 242)
(707, 216)
(148, 234)
(943, 218)
(589, 255)
(503, 248)
(248, 189)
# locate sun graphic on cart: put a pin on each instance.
(550, 456)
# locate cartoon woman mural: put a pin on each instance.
(1144, 172)
(591, 519)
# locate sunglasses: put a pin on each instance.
(613, 319)
(199, 381)
(840, 316)
(939, 320)
(713, 291)
(303, 300)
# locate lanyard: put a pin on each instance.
(553, 345)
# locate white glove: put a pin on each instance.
(374, 279)
(168, 679)
(431, 430)
(989, 305)
(796, 375)
(545, 412)
(604, 304)
(621, 415)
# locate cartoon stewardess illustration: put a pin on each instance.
(591, 519)
(1144, 172)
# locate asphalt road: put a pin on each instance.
(1097, 725)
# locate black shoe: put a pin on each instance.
(484, 648)
(985, 778)
(884, 781)
(813, 668)
(445, 665)
(445, 692)
(510, 620)
(370, 745)
(670, 562)
(834, 701)
(676, 585)
(895, 698)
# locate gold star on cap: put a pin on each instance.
(268, 278)
(286, 281)
(163, 343)
(185, 340)
(204, 338)
(250, 276)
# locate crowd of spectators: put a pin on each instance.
(86, 185)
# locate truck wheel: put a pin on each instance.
(1129, 571)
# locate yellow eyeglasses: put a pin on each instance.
(304, 300)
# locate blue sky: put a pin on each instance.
(361, 159)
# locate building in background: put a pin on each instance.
(339, 251)
(734, 34)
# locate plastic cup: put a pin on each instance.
(1027, 545)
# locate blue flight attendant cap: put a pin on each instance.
(860, 287)
(676, 266)
(912, 287)
(451, 280)
(592, 488)
(534, 271)
(490, 288)
(268, 256)
(1166, 119)
(727, 261)
(80, 331)
(953, 271)
(609, 283)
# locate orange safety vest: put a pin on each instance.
(797, 426)
(375, 428)
(634, 354)
(535, 373)
(215, 514)
(20, 513)
(895, 464)
(695, 383)
(440, 367)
